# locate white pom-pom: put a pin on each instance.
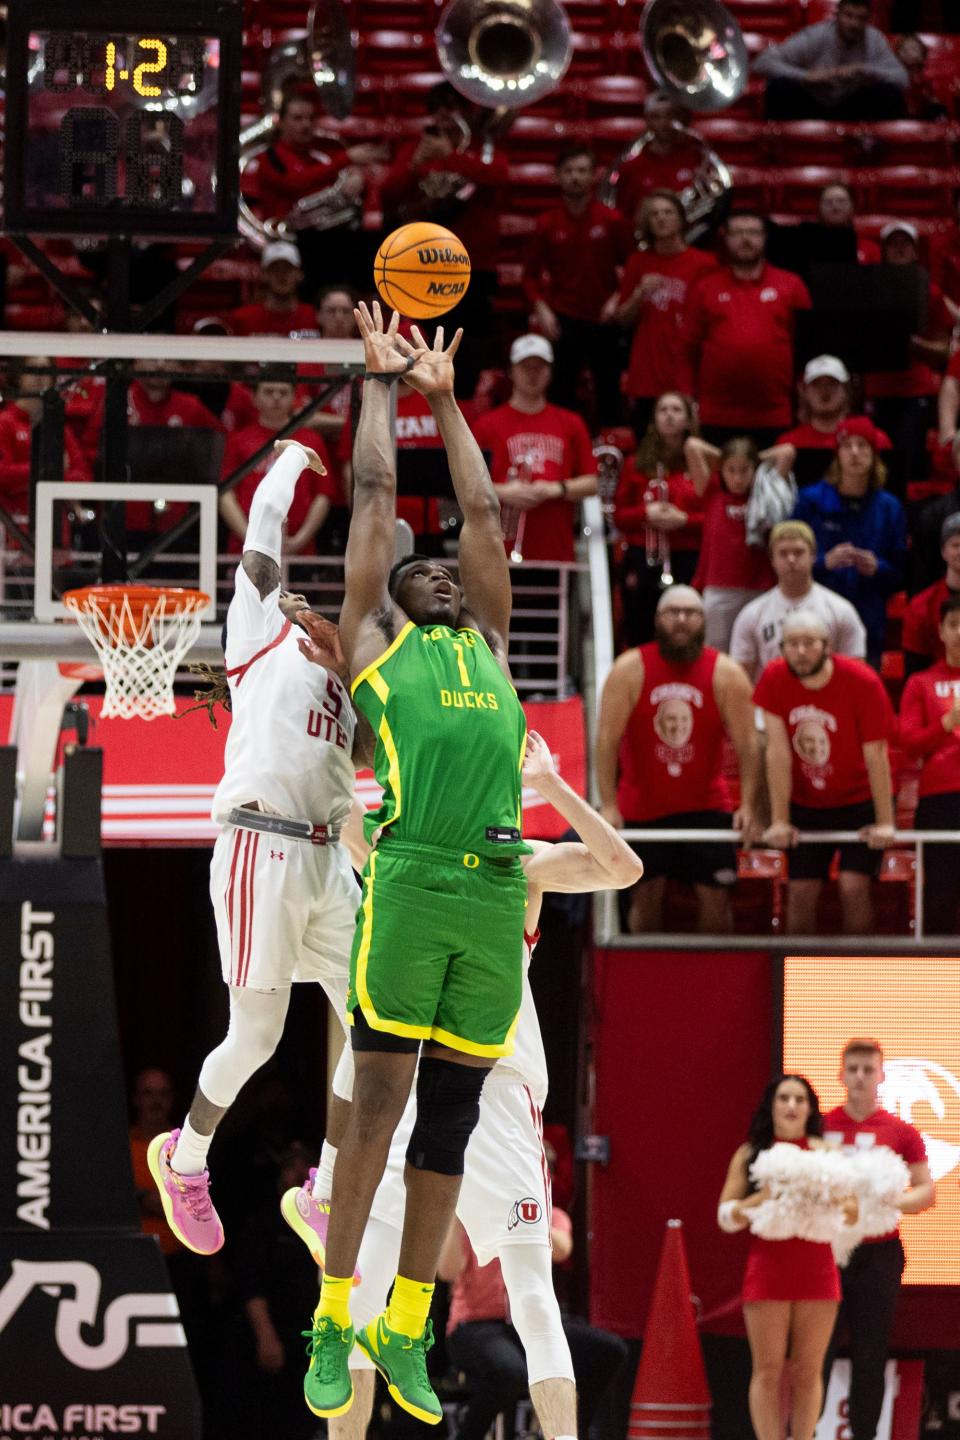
(879, 1180)
(806, 1190)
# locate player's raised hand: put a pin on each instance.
(538, 762)
(321, 644)
(381, 354)
(313, 459)
(432, 372)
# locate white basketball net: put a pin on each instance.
(139, 653)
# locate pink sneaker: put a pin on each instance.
(186, 1198)
(309, 1219)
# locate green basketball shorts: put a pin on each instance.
(438, 949)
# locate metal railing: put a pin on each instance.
(608, 932)
(540, 630)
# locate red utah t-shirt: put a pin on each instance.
(741, 335)
(671, 754)
(648, 171)
(630, 507)
(828, 729)
(573, 260)
(921, 621)
(555, 445)
(309, 485)
(725, 557)
(927, 697)
(658, 357)
(880, 1128)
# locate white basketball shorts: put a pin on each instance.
(285, 912)
(505, 1198)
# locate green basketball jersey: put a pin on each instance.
(450, 736)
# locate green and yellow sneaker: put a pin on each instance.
(403, 1364)
(327, 1386)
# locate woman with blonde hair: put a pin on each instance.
(860, 528)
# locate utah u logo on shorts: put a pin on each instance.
(525, 1212)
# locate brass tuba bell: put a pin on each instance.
(695, 50)
(502, 54)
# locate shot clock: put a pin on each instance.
(112, 129)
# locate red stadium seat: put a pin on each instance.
(777, 18)
(911, 142)
(812, 142)
(907, 190)
(738, 142)
(532, 187)
(387, 51)
(618, 93)
(798, 190)
(752, 186)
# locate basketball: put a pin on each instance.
(422, 270)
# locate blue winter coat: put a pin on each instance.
(876, 522)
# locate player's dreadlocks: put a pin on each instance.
(215, 691)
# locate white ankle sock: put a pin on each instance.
(190, 1155)
(323, 1180)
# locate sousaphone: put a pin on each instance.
(695, 51)
(324, 60)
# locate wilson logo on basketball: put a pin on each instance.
(525, 1212)
(441, 255)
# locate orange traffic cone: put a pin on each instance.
(671, 1399)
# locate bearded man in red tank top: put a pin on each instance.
(666, 710)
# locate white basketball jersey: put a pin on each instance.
(291, 732)
(528, 1063)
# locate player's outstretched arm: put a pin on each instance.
(601, 861)
(271, 504)
(370, 539)
(484, 573)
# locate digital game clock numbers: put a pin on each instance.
(111, 130)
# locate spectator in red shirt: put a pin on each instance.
(870, 1282)
(665, 713)
(828, 720)
(653, 295)
(929, 716)
(540, 455)
(297, 164)
(948, 402)
(482, 1342)
(739, 328)
(335, 305)
(571, 276)
(730, 572)
(314, 493)
(152, 400)
(902, 401)
(669, 160)
(920, 636)
(279, 311)
(227, 400)
(17, 423)
(451, 176)
(824, 406)
(656, 498)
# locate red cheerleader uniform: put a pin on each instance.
(792, 1269)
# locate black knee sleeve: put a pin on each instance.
(448, 1108)
(364, 1037)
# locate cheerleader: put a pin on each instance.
(791, 1287)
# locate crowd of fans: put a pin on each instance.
(775, 473)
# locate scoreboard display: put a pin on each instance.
(910, 1005)
(111, 129)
